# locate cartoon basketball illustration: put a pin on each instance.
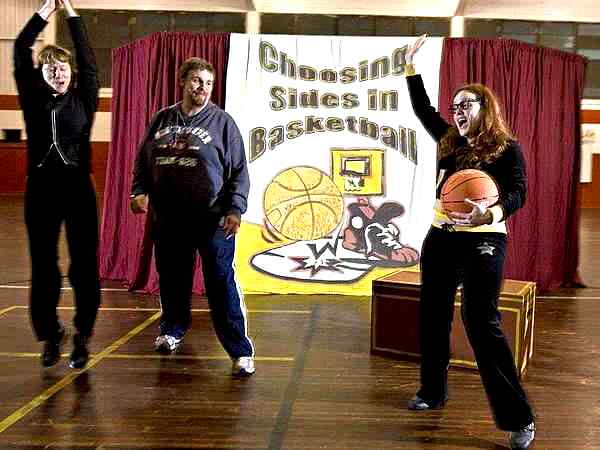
(303, 203)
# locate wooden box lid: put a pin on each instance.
(516, 288)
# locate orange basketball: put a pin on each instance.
(473, 184)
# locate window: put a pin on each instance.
(560, 35)
(112, 29)
(311, 24)
(482, 28)
(588, 45)
(348, 25)
(581, 38)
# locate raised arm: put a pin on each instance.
(24, 71)
(426, 113)
(84, 55)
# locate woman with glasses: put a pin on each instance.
(469, 249)
(58, 114)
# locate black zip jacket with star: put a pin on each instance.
(191, 166)
(58, 128)
(508, 170)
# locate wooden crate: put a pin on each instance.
(395, 320)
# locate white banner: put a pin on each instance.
(342, 173)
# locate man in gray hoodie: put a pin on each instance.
(191, 167)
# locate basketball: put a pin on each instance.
(473, 184)
(303, 203)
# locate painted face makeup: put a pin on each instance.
(465, 111)
(57, 75)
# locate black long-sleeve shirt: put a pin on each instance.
(508, 169)
(58, 127)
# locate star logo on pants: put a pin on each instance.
(486, 248)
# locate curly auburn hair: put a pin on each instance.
(492, 136)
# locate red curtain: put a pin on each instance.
(144, 80)
(541, 90)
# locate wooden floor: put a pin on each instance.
(316, 385)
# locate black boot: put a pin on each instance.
(51, 353)
(523, 438)
(418, 404)
(80, 354)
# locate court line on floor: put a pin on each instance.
(66, 288)
(65, 381)
(198, 358)
(5, 310)
(116, 308)
(284, 415)
(7, 286)
(156, 356)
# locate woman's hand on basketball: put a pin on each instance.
(414, 48)
(479, 215)
(231, 225)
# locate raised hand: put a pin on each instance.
(414, 48)
(68, 6)
(47, 8)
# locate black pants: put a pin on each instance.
(176, 244)
(54, 197)
(476, 260)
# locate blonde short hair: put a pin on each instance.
(53, 53)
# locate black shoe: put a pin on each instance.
(51, 353)
(418, 404)
(80, 354)
(523, 438)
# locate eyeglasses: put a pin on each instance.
(465, 105)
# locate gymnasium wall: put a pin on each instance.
(13, 159)
(590, 192)
(12, 156)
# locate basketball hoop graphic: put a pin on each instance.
(354, 170)
(358, 171)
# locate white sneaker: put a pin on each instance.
(243, 366)
(167, 344)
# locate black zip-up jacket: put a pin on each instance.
(58, 128)
(508, 170)
(191, 166)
